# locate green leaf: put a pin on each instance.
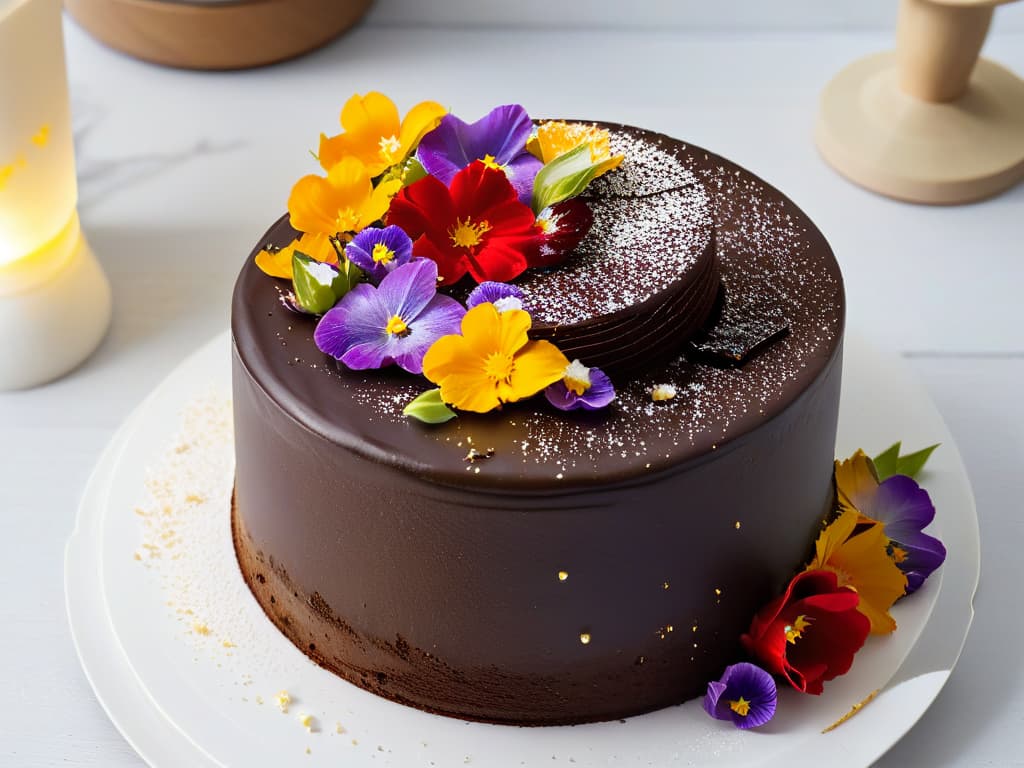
(564, 177)
(429, 408)
(890, 462)
(885, 462)
(414, 171)
(319, 285)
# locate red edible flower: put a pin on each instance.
(477, 225)
(809, 634)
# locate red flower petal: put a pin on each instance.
(834, 631)
(476, 189)
(421, 207)
(569, 222)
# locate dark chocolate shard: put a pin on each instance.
(739, 334)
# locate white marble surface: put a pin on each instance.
(180, 172)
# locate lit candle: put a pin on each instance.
(54, 298)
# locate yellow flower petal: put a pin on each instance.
(856, 481)
(537, 365)
(556, 137)
(419, 121)
(345, 201)
(862, 561)
(279, 263)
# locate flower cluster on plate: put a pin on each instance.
(408, 206)
(872, 552)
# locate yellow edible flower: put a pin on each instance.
(493, 361)
(374, 134)
(861, 561)
(279, 263)
(345, 201)
(856, 482)
(557, 137)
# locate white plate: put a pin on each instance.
(184, 699)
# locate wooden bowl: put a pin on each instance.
(216, 35)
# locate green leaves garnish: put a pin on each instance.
(564, 177)
(318, 285)
(889, 462)
(429, 408)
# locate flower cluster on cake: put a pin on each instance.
(409, 208)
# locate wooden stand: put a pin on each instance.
(930, 123)
(216, 35)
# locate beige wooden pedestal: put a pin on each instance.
(931, 122)
(216, 35)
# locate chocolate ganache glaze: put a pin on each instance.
(597, 565)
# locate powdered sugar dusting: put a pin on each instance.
(652, 220)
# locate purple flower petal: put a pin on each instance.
(407, 290)
(747, 682)
(598, 395)
(500, 134)
(490, 292)
(356, 331)
(442, 316)
(905, 509)
(361, 251)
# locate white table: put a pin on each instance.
(180, 173)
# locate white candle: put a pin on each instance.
(54, 298)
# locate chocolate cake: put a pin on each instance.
(535, 567)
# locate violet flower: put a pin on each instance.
(746, 695)
(502, 295)
(498, 139)
(581, 387)
(379, 251)
(906, 509)
(396, 322)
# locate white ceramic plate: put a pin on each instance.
(183, 699)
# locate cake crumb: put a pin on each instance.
(201, 629)
(308, 722)
(662, 392)
(283, 700)
(339, 728)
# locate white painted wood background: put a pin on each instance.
(180, 172)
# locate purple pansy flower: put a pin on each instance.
(502, 295)
(379, 251)
(905, 509)
(746, 695)
(396, 322)
(498, 139)
(581, 387)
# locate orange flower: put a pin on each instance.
(374, 135)
(493, 361)
(279, 263)
(346, 201)
(557, 137)
(858, 555)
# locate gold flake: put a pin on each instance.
(259, 699)
(228, 644)
(737, 525)
(669, 628)
(308, 722)
(200, 628)
(853, 711)
(563, 575)
(718, 591)
(585, 638)
(339, 728)
(664, 585)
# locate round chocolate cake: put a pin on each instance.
(537, 567)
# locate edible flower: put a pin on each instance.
(492, 361)
(810, 633)
(502, 295)
(562, 226)
(396, 322)
(374, 135)
(858, 555)
(498, 140)
(316, 245)
(902, 508)
(379, 252)
(477, 225)
(581, 387)
(557, 137)
(745, 695)
(343, 202)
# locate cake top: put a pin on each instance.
(775, 271)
